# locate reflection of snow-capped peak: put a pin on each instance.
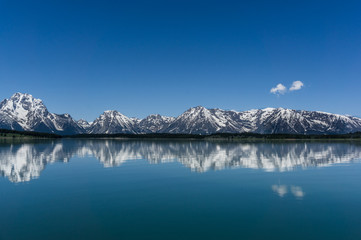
(22, 162)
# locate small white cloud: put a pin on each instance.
(296, 85)
(279, 89)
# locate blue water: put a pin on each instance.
(119, 189)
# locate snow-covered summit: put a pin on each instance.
(112, 122)
(154, 123)
(24, 112)
(84, 124)
(23, 108)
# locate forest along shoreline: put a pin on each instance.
(6, 134)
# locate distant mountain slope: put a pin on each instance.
(280, 120)
(24, 112)
(84, 124)
(153, 123)
(200, 120)
(112, 122)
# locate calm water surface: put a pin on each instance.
(131, 189)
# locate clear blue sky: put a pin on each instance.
(143, 57)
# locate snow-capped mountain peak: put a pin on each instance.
(84, 124)
(197, 120)
(154, 123)
(112, 122)
(24, 112)
(23, 108)
(19, 105)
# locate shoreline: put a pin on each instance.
(231, 137)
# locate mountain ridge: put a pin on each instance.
(23, 112)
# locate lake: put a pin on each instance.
(179, 189)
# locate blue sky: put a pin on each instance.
(143, 57)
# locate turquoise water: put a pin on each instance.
(100, 189)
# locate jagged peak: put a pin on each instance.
(20, 104)
(65, 115)
(197, 109)
(25, 97)
(84, 123)
(157, 117)
(82, 120)
(135, 119)
(19, 94)
(112, 113)
(154, 116)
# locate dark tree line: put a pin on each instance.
(229, 136)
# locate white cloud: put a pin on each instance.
(279, 89)
(296, 85)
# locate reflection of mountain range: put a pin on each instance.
(23, 162)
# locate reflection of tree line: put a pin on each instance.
(22, 162)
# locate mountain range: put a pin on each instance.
(23, 112)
